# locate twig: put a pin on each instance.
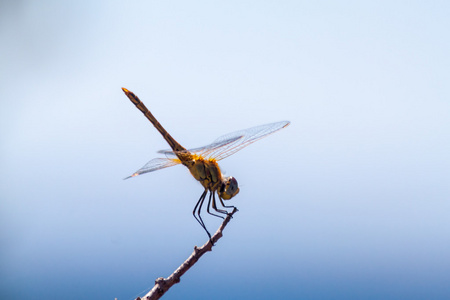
(162, 285)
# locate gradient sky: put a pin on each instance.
(352, 201)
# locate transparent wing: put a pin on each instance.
(155, 164)
(230, 143)
(202, 150)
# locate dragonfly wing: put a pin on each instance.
(243, 138)
(167, 152)
(230, 143)
(203, 151)
(154, 165)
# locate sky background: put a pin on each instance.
(352, 201)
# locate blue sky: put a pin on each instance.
(351, 201)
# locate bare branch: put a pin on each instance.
(162, 285)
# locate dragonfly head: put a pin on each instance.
(228, 188)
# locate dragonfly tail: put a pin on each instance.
(169, 139)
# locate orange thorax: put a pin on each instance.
(207, 171)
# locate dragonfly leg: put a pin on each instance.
(211, 195)
(214, 205)
(195, 211)
(223, 204)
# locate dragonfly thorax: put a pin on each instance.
(228, 188)
(207, 171)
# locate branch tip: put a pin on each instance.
(162, 285)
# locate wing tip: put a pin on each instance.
(131, 176)
(287, 123)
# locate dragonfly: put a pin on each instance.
(202, 161)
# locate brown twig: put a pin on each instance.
(162, 285)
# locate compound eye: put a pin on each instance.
(232, 186)
(228, 189)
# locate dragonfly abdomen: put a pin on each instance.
(169, 139)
